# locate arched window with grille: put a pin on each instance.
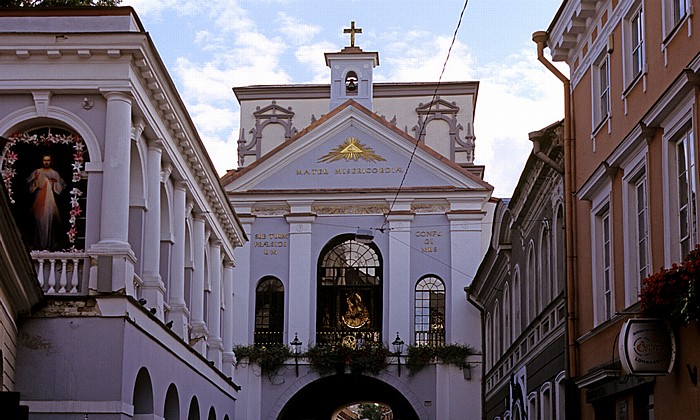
(349, 296)
(269, 312)
(430, 312)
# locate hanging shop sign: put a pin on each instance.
(647, 347)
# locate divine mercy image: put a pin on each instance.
(45, 184)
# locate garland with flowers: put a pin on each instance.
(10, 157)
(673, 293)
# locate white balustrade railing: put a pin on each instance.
(62, 273)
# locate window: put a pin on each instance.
(545, 265)
(560, 396)
(636, 223)
(532, 406)
(686, 193)
(532, 285)
(641, 227)
(546, 408)
(560, 251)
(349, 305)
(601, 91)
(507, 332)
(674, 11)
(269, 312)
(598, 190)
(517, 299)
(430, 312)
(351, 82)
(604, 273)
(497, 332)
(489, 341)
(634, 44)
(680, 9)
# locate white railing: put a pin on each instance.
(62, 273)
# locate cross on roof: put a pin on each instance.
(352, 31)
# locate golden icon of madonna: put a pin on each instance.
(356, 315)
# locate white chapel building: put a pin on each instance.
(367, 217)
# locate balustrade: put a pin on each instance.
(62, 273)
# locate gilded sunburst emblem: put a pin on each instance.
(351, 149)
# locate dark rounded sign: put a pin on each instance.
(647, 347)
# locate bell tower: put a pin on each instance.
(351, 72)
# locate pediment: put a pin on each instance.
(438, 106)
(352, 149)
(273, 110)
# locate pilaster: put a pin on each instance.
(399, 278)
(463, 322)
(243, 299)
(302, 289)
(228, 357)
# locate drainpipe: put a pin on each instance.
(535, 137)
(540, 38)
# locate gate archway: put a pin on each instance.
(319, 399)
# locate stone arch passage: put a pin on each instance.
(321, 398)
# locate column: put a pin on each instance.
(199, 331)
(114, 221)
(228, 356)
(243, 299)
(214, 344)
(397, 300)
(115, 257)
(153, 287)
(176, 294)
(302, 287)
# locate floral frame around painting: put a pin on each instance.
(42, 171)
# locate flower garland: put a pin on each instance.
(672, 293)
(10, 157)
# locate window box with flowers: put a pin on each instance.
(672, 293)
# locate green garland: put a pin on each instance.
(270, 358)
(328, 359)
(418, 357)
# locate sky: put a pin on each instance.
(211, 46)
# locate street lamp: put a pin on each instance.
(398, 349)
(296, 349)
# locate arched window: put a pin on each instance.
(545, 267)
(517, 304)
(496, 332)
(351, 84)
(349, 293)
(560, 250)
(430, 312)
(269, 311)
(507, 329)
(532, 289)
(489, 341)
(546, 408)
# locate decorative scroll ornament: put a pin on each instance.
(351, 149)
